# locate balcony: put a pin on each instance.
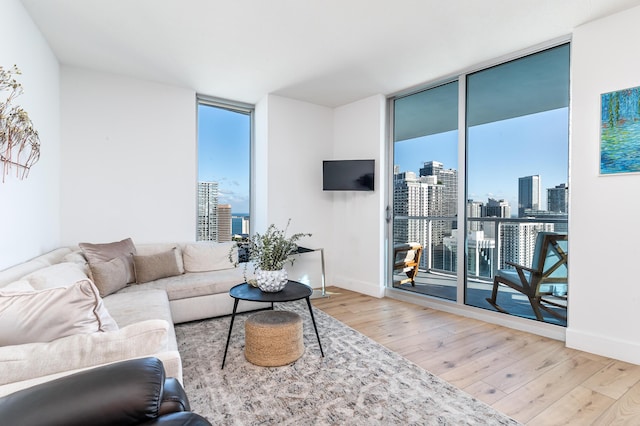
(490, 243)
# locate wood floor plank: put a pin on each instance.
(581, 406)
(485, 392)
(528, 368)
(615, 379)
(536, 380)
(625, 411)
(467, 373)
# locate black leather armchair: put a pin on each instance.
(133, 392)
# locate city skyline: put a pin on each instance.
(499, 153)
(224, 146)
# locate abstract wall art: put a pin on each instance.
(620, 132)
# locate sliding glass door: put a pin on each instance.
(511, 177)
(517, 171)
(425, 190)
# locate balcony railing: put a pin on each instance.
(490, 242)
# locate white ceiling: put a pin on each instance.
(328, 52)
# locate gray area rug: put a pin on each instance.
(358, 382)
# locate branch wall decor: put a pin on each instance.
(19, 141)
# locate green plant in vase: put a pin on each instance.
(269, 252)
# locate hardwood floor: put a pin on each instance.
(533, 379)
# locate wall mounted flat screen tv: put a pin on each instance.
(348, 175)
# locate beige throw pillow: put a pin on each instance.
(46, 315)
(155, 266)
(110, 276)
(111, 264)
(104, 252)
(201, 257)
(155, 248)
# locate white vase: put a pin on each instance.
(271, 281)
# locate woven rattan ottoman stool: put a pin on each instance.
(273, 338)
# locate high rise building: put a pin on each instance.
(224, 222)
(207, 226)
(449, 179)
(528, 194)
(480, 252)
(474, 209)
(418, 196)
(518, 241)
(497, 208)
(558, 198)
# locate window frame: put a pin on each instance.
(458, 306)
(241, 108)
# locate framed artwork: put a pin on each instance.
(620, 132)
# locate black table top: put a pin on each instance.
(293, 290)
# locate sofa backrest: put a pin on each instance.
(18, 271)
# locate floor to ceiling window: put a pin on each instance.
(515, 189)
(224, 170)
(425, 187)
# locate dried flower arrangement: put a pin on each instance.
(19, 141)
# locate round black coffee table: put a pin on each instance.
(293, 290)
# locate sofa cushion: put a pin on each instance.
(24, 362)
(206, 256)
(58, 275)
(110, 276)
(128, 308)
(46, 315)
(155, 266)
(193, 284)
(104, 252)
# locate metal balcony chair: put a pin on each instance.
(406, 258)
(546, 277)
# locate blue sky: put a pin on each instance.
(224, 154)
(498, 154)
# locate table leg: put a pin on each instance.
(233, 317)
(313, 320)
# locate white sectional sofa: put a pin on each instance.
(53, 322)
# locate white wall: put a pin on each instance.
(30, 208)
(357, 254)
(128, 159)
(604, 310)
(292, 139)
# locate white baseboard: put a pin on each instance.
(370, 289)
(603, 345)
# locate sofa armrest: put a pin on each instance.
(125, 393)
(174, 398)
(31, 360)
(184, 418)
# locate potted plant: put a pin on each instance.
(269, 252)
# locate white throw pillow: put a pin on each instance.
(58, 275)
(201, 257)
(17, 286)
(46, 315)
